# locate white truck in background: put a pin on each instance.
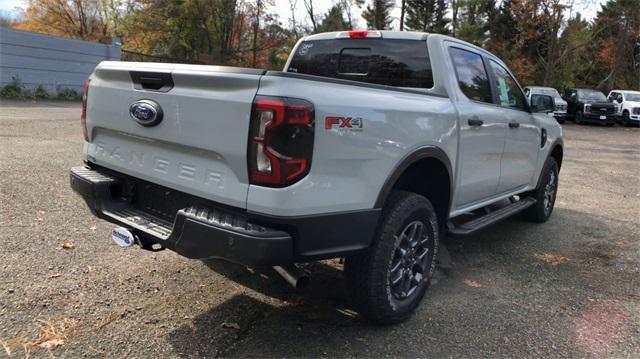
(628, 104)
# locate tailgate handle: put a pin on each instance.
(152, 81)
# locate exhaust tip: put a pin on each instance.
(294, 276)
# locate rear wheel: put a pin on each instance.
(545, 194)
(388, 280)
(579, 117)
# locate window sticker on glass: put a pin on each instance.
(304, 48)
(502, 90)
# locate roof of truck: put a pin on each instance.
(626, 91)
(399, 35)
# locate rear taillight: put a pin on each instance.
(280, 140)
(83, 116)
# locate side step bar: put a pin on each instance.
(478, 223)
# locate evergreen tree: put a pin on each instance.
(334, 20)
(427, 16)
(378, 14)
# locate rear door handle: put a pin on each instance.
(475, 122)
(514, 124)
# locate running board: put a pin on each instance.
(478, 223)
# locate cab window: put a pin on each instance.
(509, 93)
(472, 75)
(397, 63)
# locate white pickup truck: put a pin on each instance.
(369, 145)
(628, 105)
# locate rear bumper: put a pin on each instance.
(209, 230)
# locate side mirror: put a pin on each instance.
(542, 103)
(619, 100)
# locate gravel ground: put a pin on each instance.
(567, 288)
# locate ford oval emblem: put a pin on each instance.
(146, 112)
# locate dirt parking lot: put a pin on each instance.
(567, 288)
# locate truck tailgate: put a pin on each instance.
(200, 145)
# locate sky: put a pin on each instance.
(588, 8)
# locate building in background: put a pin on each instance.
(53, 62)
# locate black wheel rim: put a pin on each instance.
(550, 192)
(411, 260)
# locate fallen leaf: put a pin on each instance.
(52, 343)
(67, 245)
(472, 283)
(231, 325)
(551, 258)
(55, 275)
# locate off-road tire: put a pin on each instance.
(625, 118)
(541, 211)
(368, 273)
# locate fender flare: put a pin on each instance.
(408, 160)
(558, 142)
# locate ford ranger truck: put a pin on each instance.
(369, 146)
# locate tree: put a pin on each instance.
(79, 19)
(378, 14)
(308, 4)
(334, 20)
(617, 45)
(427, 16)
(472, 20)
(402, 9)
(347, 7)
(294, 25)
(5, 20)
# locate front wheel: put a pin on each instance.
(545, 194)
(389, 279)
(625, 118)
(579, 117)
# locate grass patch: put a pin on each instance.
(49, 335)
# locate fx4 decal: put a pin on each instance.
(343, 123)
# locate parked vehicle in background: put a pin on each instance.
(628, 105)
(587, 105)
(369, 146)
(560, 105)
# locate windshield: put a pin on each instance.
(546, 91)
(630, 96)
(592, 95)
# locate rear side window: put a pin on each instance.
(472, 76)
(398, 63)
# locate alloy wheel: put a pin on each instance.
(550, 192)
(411, 260)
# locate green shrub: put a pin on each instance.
(40, 93)
(68, 94)
(14, 89)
